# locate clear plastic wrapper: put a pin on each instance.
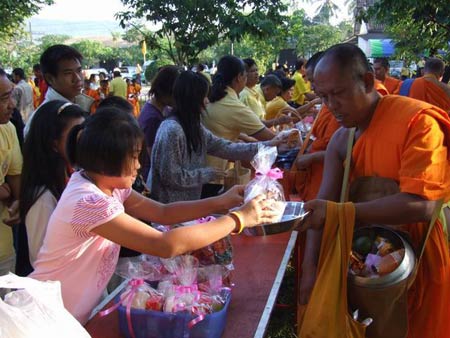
(265, 181)
(145, 267)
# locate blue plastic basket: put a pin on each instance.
(155, 324)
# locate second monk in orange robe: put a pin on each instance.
(429, 88)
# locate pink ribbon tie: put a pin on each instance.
(126, 300)
(274, 174)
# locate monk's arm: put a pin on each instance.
(401, 208)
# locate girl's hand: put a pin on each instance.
(259, 210)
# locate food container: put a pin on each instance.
(293, 214)
(156, 324)
(400, 273)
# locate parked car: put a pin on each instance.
(96, 71)
(128, 72)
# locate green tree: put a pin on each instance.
(190, 26)
(18, 51)
(15, 12)
(327, 9)
(414, 25)
(93, 52)
(52, 39)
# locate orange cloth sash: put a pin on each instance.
(326, 315)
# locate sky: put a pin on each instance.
(81, 10)
(79, 15)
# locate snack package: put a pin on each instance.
(265, 181)
(145, 267)
(142, 296)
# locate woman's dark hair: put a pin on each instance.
(162, 83)
(105, 142)
(228, 68)
(43, 166)
(189, 93)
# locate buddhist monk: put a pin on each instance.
(429, 88)
(381, 68)
(91, 93)
(399, 138)
(323, 129)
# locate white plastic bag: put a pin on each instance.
(36, 309)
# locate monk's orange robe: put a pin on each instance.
(94, 94)
(425, 90)
(36, 94)
(380, 88)
(392, 85)
(412, 147)
(43, 87)
(133, 98)
(323, 130)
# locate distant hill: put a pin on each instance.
(75, 29)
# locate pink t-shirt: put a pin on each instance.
(81, 260)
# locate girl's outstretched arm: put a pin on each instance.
(149, 210)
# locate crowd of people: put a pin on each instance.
(81, 180)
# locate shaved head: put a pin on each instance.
(348, 58)
(345, 83)
(434, 66)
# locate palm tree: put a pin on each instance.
(326, 10)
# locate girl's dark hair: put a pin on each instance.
(43, 166)
(189, 93)
(105, 142)
(228, 68)
(162, 83)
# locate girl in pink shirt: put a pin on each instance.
(98, 212)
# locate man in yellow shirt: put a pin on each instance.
(10, 170)
(118, 86)
(256, 97)
(301, 90)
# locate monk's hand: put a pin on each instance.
(305, 161)
(317, 214)
(306, 282)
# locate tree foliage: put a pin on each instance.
(414, 25)
(15, 12)
(190, 26)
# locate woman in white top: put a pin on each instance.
(46, 169)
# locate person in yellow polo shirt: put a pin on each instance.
(280, 103)
(301, 89)
(118, 86)
(254, 98)
(226, 116)
(10, 170)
